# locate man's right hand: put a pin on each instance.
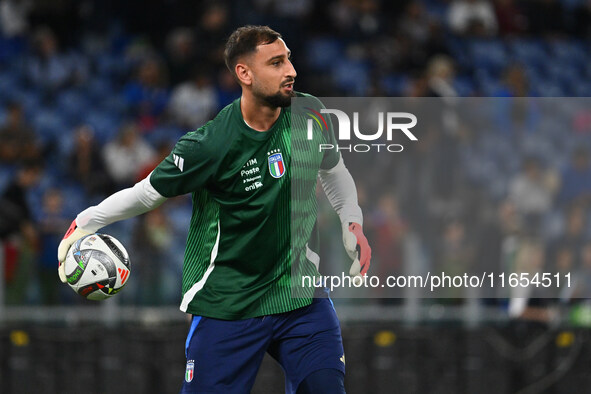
(72, 235)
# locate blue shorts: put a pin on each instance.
(224, 356)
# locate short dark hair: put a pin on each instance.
(245, 40)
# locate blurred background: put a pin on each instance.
(93, 94)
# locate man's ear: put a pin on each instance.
(243, 73)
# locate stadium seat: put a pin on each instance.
(394, 84)
(106, 125)
(568, 51)
(548, 88)
(6, 174)
(165, 133)
(581, 88)
(111, 65)
(72, 104)
(464, 86)
(352, 77)
(459, 52)
(29, 99)
(114, 103)
(322, 52)
(530, 52)
(563, 72)
(99, 88)
(8, 86)
(49, 124)
(488, 54)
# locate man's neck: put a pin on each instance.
(257, 115)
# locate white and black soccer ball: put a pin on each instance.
(97, 266)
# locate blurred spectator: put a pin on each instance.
(52, 223)
(126, 155)
(50, 69)
(472, 18)
(228, 89)
(576, 179)
(148, 93)
(15, 214)
(564, 260)
(86, 165)
(13, 17)
(440, 74)
(582, 275)
(510, 17)
(455, 253)
(152, 238)
(514, 82)
(163, 149)
(532, 192)
(212, 31)
(180, 55)
(415, 23)
(195, 101)
(17, 139)
(18, 233)
(356, 19)
(525, 302)
(388, 228)
(573, 235)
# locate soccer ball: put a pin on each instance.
(97, 266)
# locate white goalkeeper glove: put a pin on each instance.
(357, 248)
(73, 234)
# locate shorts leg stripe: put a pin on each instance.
(194, 324)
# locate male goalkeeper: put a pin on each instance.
(240, 251)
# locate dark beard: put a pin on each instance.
(279, 100)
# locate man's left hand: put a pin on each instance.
(357, 248)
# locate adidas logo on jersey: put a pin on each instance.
(179, 162)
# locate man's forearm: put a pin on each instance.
(122, 205)
(341, 192)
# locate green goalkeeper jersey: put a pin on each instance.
(251, 232)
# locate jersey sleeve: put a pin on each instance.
(188, 168)
(331, 156)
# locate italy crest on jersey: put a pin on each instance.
(189, 371)
(276, 165)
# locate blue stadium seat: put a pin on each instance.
(106, 125)
(488, 84)
(115, 104)
(165, 133)
(49, 124)
(464, 85)
(322, 52)
(459, 52)
(8, 86)
(73, 104)
(29, 99)
(99, 88)
(488, 54)
(581, 88)
(549, 88)
(111, 65)
(6, 174)
(352, 77)
(568, 51)
(529, 51)
(394, 84)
